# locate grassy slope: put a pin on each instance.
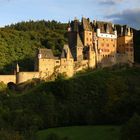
(83, 132)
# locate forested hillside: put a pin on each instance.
(103, 96)
(19, 42)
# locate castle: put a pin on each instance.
(90, 45)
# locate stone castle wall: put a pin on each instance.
(8, 78)
(24, 76)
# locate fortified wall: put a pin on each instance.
(8, 78)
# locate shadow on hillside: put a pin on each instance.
(26, 64)
(137, 45)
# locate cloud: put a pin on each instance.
(110, 2)
(128, 16)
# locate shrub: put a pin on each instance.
(131, 130)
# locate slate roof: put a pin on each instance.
(46, 53)
(75, 25)
(105, 27)
(65, 51)
(79, 42)
(122, 30)
(86, 24)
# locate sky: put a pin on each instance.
(116, 11)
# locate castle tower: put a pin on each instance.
(106, 44)
(67, 62)
(125, 44)
(79, 48)
(91, 59)
(75, 41)
(45, 61)
(87, 33)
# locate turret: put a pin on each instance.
(17, 68)
(121, 30)
(69, 27)
(91, 57)
(115, 31)
(129, 33)
(107, 28)
(98, 32)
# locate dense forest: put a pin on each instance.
(104, 96)
(19, 42)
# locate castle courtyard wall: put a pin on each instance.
(8, 78)
(24, 76)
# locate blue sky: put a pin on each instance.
(117, 11)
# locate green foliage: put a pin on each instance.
(61, 76)
(131, 130)
(53, 136)
(82, 133)
(19, 43)
(2, 87)
(6, 135)
(102, 96)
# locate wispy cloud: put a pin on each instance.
(128, 16)
(109, 2)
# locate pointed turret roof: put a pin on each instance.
(105, 26)
(79, 41)
(65, 52)
(86, 24)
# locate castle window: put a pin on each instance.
(131, 49)
(127, 49)
(131, 44)
(87, 39)
(107, 45)
(57, 61)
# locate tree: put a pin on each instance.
(131, 130)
